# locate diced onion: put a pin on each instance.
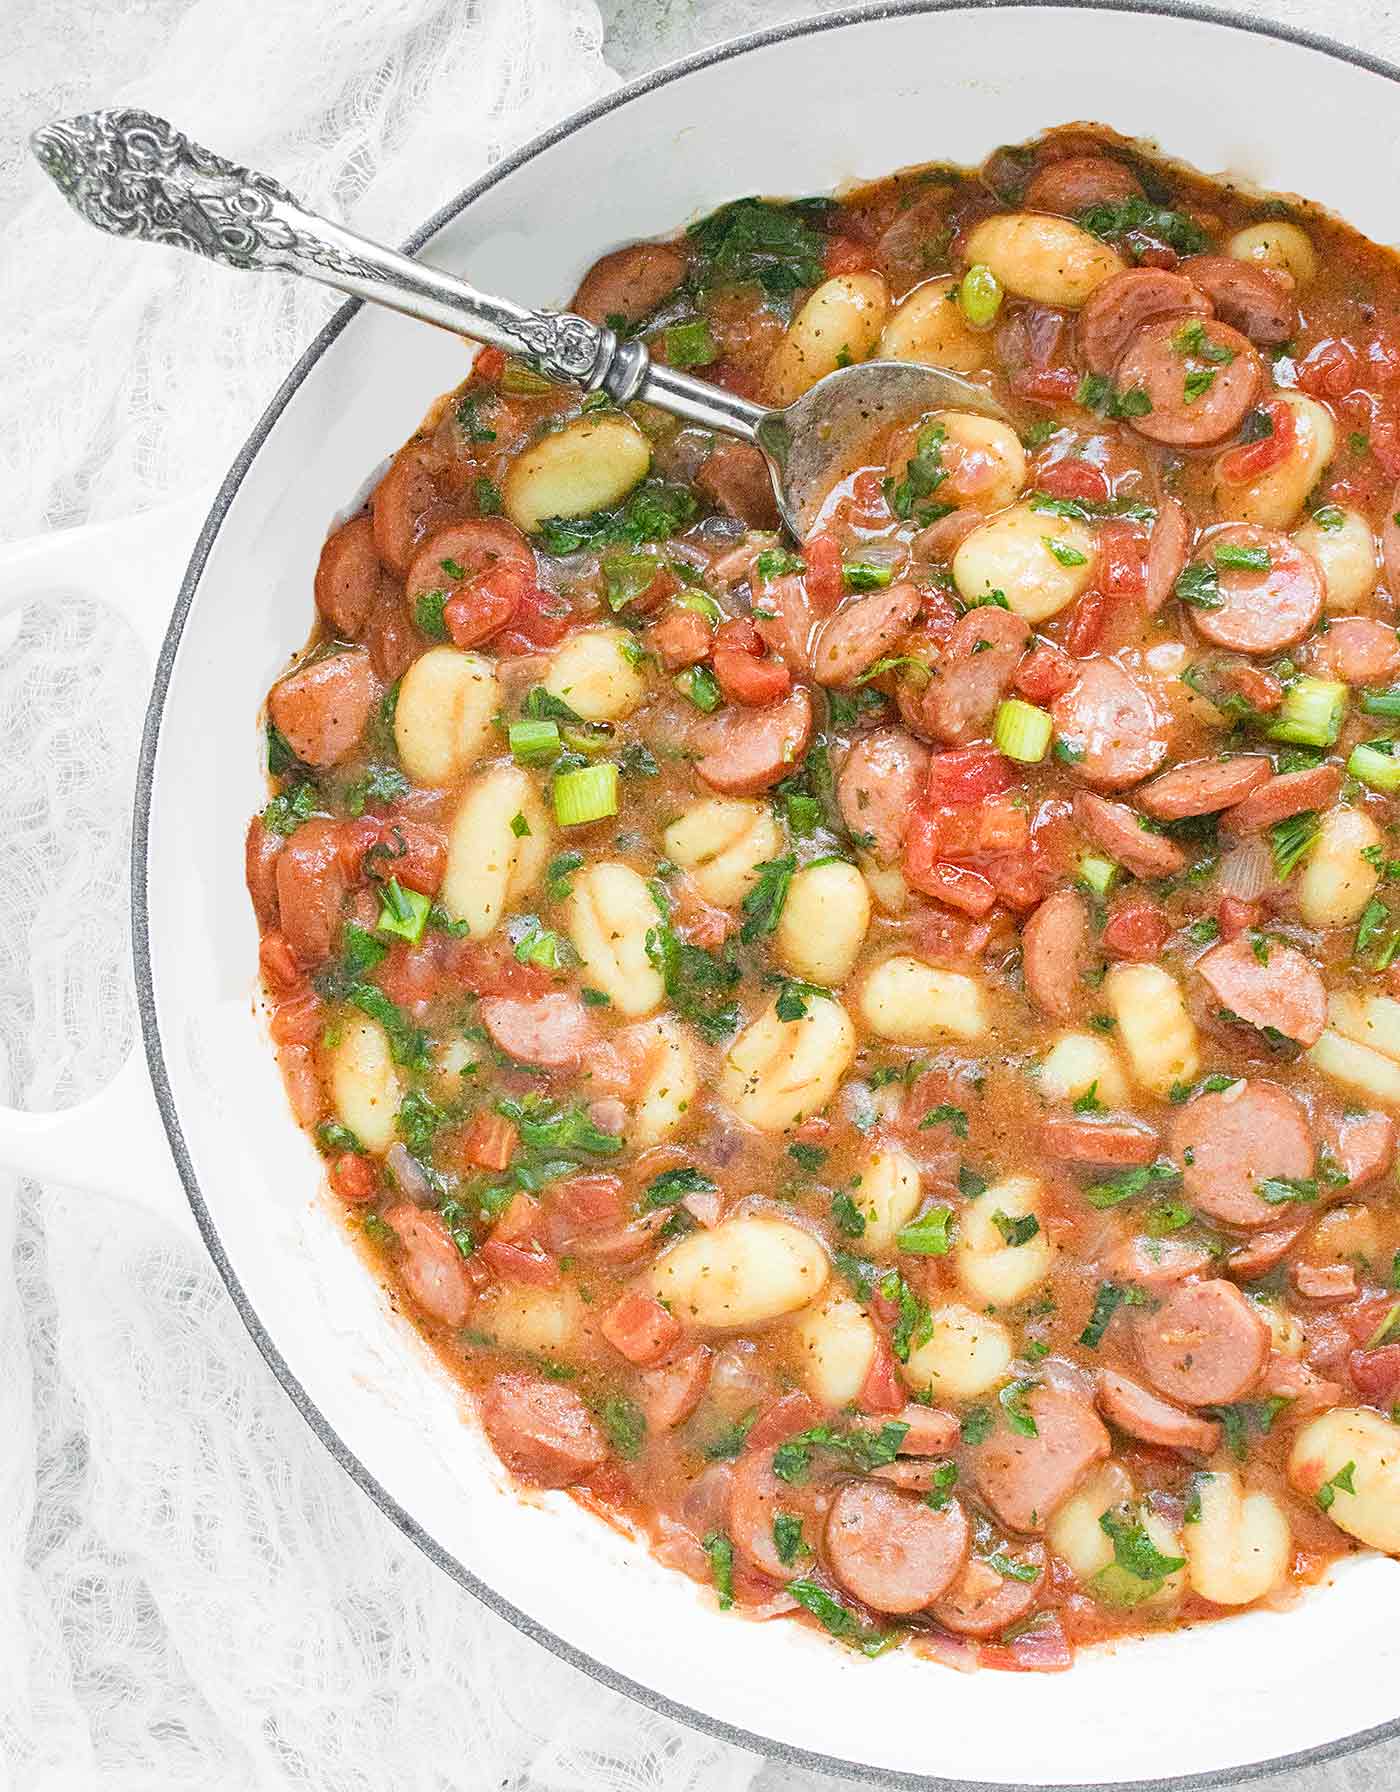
(1246, 871)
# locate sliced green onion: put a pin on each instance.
(1022, 732)
(698, 683)
(1311, 713)
(534, 743)
(690, 344)
(588, 794)
(702, 603)
(979, 294)
(867, 575)
(1097, 872)
(1376, 765)
(1380, 703)
(626, 577)
(403, 912)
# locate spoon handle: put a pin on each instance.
(134, 175)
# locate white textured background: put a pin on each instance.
(191, 1594)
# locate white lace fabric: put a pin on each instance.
(192, 1594)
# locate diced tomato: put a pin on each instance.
(742, 674)
(542, 618)
(489, 1141)
(278, 961)
(299, 1021)
(881, 1391)
(922, 845)
(1260, 689)
(790, 1413)
(1250, 459)
(485, 604)
(1043, 1649)
(843, 255)
(353, 1177)
(527, 1263)
(1136, 930)
(640, 1328)
(868, 495)
(967, 775)
(1003, 824)
(490, 364)
(963, 889)
(1044, 673)
(1385, 442)
(414, 852)
(1329, 369)
(1122, 563)
(681, 638)
(1071, 477)
(1086, 625)
(411, 974)
(1016, 877)
(823, 579)
(592, 1200)
(1375, 1374)
(1237, 916)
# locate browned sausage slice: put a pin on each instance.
(1390, 544)
(405, 503)
(1115, 312)
(1185, 412)
(1055, 954)
(452, 555)
(1119, 831)
(1168, 548)
(974, 674)
(1111, 726)
(983, 1602)
(431, 1265)
(1025, 1480)
(1139, 1412)
(1263, 1251)
(1118, 1142)
(1355, 650)
(1229, 1142)
(630, 283)
(322, 708)
(390, 635)
(894, 1553)
(736, 477)
(863, 631)
(744, 751)
(671, 1392)
(1204, 1346)
(929, 1431)
(755, 1497)
(1269, 985)
(1362, 1144)
(1287, 794)
(311, 886)
(347, 577)
(551, 1031)
(1263, 610)
(540, 1430)
(1326, 1281)
(1255, 299)
(1203, 786)
(261, 848)
(1075, 183)
(879, 784)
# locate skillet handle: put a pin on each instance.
(113, 1143)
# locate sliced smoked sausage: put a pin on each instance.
(1269, 985)
(1075, 183)
(1204, 1346)
(1114, 312)
(1119, 1143)
(862, 631)
(985, 1602)
(743, 751)
(736, 477)
(1055, 954)
(974, 674)
(1168, 548)
(1184, 412)
(1257, 300)
(1110, 726)
(1231, 1141)
(261, 848)
(1355, 650)
(431, 1266)
(1290, 793)
(1026, 1479)
(541, 1431)
(454, 555)
(630, 283)
(311, 885)
(347, 577)
(1119, 831)
(551, 1031)
(1203, 786)
(1362, 1144)
(755, 1497)
(894, 1553)
(1143, 1414)
(879, 783)
(1264, 609)
(321, 708)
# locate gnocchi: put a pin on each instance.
(589, 464)
(967, 1354)
(1344, 546)
(1157, 1034)
(1239, 1547)
(835, 1346)
(497, 846)
(547, 1322)
(987, 461)
(824, 922)
(929, 326)
(610, 912)
(887, 1196)
(1337, 880)
(1275, 498)
(1276, 244)
(1039, 562)
(777, 1072)
(1354, 1453)
(721, 843)
(593, 672)
(364, 1084)
(994, 1269)
(669, 1082)
(1039, 257)
(913, 1003)
(740, 1273)
(442, 720)
(840, 323)
(1080, 1063)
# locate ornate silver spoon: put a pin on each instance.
(134, 175)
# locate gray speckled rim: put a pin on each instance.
(262, 1330)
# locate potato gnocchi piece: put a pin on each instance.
(886, 885)
(913, 1003)
(1013, 553)
(840, 323)
(609, 915)
(777, 1072)
(928, 325)
(993, 1270)
(1369, 1020)
(453, 1057)
(1353, 1447)
(1039, 257)
(740, 1273)
(1287, 1335)
(996, 451)
(835, 1346)
(1336, 881)
(364, 1084)
(1368, 1072)
(1345, 548)
(967, 1354)
(1274, 499)
(589, 464)
(1079, 1062)
(1276, 244)
(824, 922)
(1156, 1032)
(1346, 1234)
(888, 1196)
(668, 1086)
(491, 862)
(1240, 1547)
(721, 843)
(592, 673)
(442, 721)
(1075, 1534)
(546, 1322)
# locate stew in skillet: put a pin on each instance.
(876, 1057)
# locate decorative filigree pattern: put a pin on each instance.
(565, 347)
(133, 175)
